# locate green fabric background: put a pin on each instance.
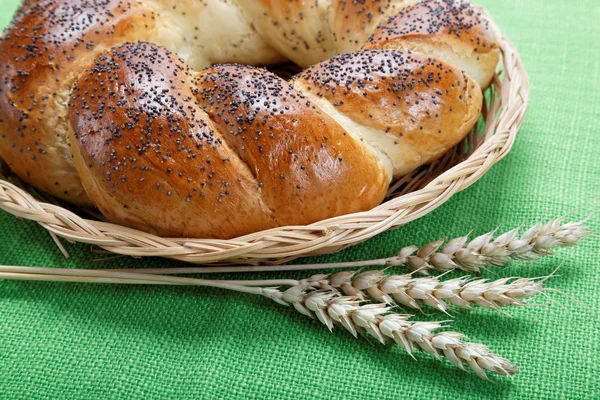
(110, 341)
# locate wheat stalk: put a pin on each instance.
(413, 291)
(375, 285)
(316, 298)
(459, 253)
(331, 308)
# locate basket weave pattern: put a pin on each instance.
(408, 199)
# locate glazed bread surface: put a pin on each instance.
(125, 105)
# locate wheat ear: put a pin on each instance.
(472, 256)
(413, 291)
(328, 305)
(331, 308)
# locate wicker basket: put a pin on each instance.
(409, 198)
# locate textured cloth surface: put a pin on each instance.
(109, 341)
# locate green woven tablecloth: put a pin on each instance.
(109, 341)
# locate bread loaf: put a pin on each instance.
(126, 106)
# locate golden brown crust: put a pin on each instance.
(207, 32)
(40, 56)
(298, 29)
(233, 149)
(43, 52)
(153, 159)
(424, 103)
(308, 167)
(451, 18)
(452, 30)
(25, 4)
(353, 21)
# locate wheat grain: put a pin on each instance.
(413, 291)
(331, 308)
(472, 256)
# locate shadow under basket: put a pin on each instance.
(409, 198)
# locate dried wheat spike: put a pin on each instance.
(474, 255)
(413, 291)
(331, 308)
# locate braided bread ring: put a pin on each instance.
(101, 104)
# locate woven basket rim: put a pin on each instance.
(504, 117)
